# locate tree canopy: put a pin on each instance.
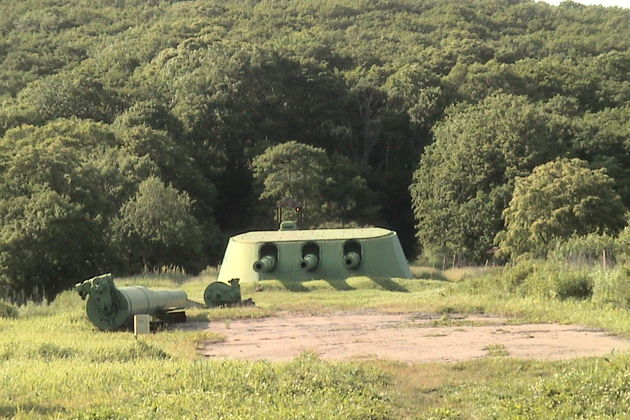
(558, 200)
(439, 103)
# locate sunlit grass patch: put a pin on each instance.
(457, 274)
(426, 272)
(502, 387)
(303, 388)
(163, 372)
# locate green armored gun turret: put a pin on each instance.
(292, 255)
(110, 307)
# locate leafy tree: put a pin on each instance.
(79, 159)
(68, 95)
(559, 199)
(150, 113)
(294, 170)
(603, 140)
(417, 91)
(465, 179)
(369, 103)
(330, 190)
(347, 197)
(155, 228)
(47, 244)
(59, 186)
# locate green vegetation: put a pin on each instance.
(97, 99)
(136, 136)
(92, 374)
(559, 199)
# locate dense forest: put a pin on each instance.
(140, 134)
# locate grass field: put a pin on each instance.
(54, 364)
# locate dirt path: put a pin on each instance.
(404, 337)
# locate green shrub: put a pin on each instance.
(623, 243)
(613, 287)
(546, 280)
(550, 280)
(577, 284)
(513, 277)
(8, 311)
(588, 249)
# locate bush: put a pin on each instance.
(514, 277)
(8, 311)
(556, 201)
(623, 243)
(547, 280)
(613, 287)
(573, 285)
(589, 249)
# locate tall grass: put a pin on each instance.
(7, 310)
(505, 388)
(55, 364)
(153, 388)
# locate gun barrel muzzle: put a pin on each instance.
(309, 262)
(265, 264)
(352, 260)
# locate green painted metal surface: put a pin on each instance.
(221, 294)
(110, 307)
(299, 255)
(265, 264)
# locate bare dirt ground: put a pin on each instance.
(404, 337)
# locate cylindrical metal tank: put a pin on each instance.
(110, 308)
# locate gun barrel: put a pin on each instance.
(265, 264)
(352, 260)
(109, 307)
(309, 262)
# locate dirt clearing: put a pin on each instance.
(404, 337)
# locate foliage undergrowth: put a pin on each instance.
(555, 280)
(7, 310)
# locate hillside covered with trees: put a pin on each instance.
(139, 134)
